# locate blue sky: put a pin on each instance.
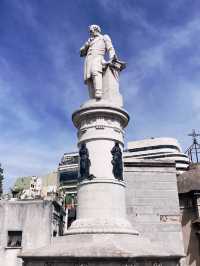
(41, 73)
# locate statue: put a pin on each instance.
(84, 162)
(94, 50)
(117, 162)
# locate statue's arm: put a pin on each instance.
(109, 47)
(84, 49)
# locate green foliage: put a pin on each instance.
(68, 199)
(22, 183)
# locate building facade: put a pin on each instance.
(36, 187)
(158, 149)
(27, 224)
(189, 197)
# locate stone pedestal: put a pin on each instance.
(102, 234)
(101, 249)
(101, 197)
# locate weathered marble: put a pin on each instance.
(152, 201)
(110, 86)
(94, 50)
(104, 247)
(101, 76)
(101, 201)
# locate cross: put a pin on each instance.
(194, 135)
(194, 147)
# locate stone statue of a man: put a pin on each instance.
(94, 50)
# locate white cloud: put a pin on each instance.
(156, 57)
(26, 146)
(179, 107)
(11, 104)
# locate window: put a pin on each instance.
(14, 239)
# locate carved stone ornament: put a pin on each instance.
(174, 219)
(117, 162)
(100, 122)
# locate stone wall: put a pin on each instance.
(191, 229)
(152, 201)
(33, 218)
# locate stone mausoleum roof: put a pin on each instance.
(189, 180)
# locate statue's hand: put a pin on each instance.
(105, 63)
(84, 49)
(83, 52)
(115, 58)
(112, 60)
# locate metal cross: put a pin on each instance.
(194, 135)
(194, 148)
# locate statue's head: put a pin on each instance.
(83, 145)
(94, 30)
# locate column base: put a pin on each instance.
(99, 226)
(101, 249)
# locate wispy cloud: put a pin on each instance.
(41, 80)
(162, 90)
